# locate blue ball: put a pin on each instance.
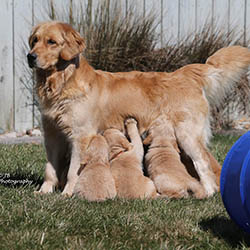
(235, 182)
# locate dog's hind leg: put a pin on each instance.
(74, 166)
(195, 148)
(215, 167)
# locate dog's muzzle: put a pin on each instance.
(32, 59)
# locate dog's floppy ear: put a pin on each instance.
(33, 32)
(73, 43)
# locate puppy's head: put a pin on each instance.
(161, 134)
(51, 42)
(96, 149)
(117, 142)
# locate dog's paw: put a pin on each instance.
(37, 193)
(211, 189)
(130, 121)
(67, 195)
(45, 188)
(67, 192)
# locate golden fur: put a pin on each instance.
(164, 165)
(95, 182)
(126, 163)
(89, 101)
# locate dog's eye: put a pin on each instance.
(34, 41)
(51, 41)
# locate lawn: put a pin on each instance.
(29, 221)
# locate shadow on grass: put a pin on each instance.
(19, 180)
(226, 229)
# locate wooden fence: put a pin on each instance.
(178, 18)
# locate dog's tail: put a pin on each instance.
(223, 69)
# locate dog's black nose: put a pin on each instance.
(32, 59)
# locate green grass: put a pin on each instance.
(29, 221)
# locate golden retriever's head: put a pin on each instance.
(52, 42)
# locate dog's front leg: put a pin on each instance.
(50, 179)
(74, 166)
(57, 150)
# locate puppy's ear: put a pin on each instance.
(73, 43)
(126, 145)
(148, 140)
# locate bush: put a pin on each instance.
(116, 40)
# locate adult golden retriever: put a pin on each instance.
(85, 101)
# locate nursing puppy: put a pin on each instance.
(95, 182)
(89, 101)
(164, 166)
(126, 163)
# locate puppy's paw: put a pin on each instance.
(130, 121)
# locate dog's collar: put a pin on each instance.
(62, 64)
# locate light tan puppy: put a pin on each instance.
(95, 182)
(90, 101)
(164, 166)
(126, 163)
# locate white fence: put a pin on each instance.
(178, 18)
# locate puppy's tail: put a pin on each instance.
(224, 69)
